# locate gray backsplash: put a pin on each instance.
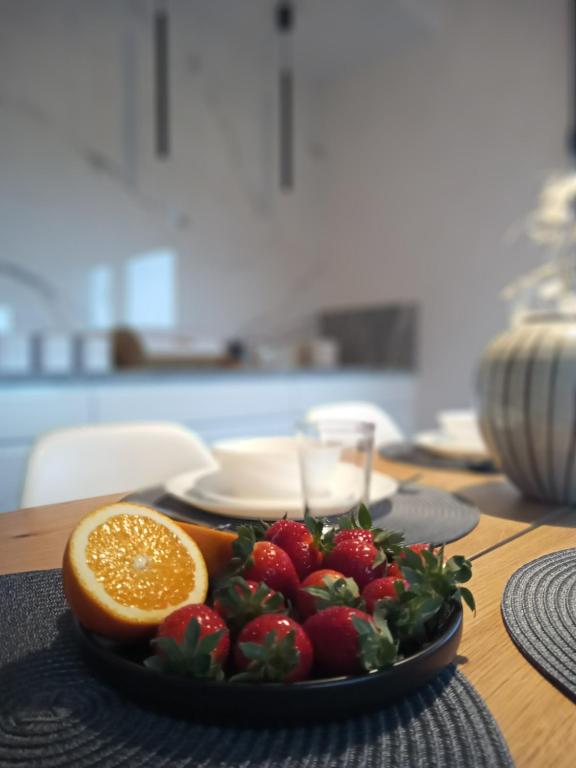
(384, 336)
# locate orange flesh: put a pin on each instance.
(140, 563)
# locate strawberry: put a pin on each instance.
(379, 589)
(298, 542)
(273, 648)
(239, 601)
(192, 641)
(357, 528)
(348, 641)
(434, 588)
(325, 588)
(393, 570)
(359, 560)
(418, 548)
(270, 564)
(354, 534)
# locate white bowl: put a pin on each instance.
(260, 466)
(459, 425)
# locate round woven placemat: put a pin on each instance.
(422, 513)
(539, 611)
(54, 714)
(426, 514)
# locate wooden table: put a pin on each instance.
(538, 722)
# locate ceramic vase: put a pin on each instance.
(527, 406)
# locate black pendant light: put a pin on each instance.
(285, 21)
(161, 82)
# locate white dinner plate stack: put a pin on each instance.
(457, 437)
(259, 479)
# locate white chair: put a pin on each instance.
(386, 430)
(109, 458)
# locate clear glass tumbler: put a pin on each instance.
(335, 465)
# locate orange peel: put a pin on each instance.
(126, 567)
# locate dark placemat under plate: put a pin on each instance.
(412, 454)
(421, 512)
(426, 514)
(55, 714)
(539, 611)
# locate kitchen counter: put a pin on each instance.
(215, 403)
(135, 375)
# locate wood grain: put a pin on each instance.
(34, 539)
(504, 512)
(537, 720)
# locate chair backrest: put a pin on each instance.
(109, 458)
(386, 430)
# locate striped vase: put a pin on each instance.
(527, 388)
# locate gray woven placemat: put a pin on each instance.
(55, 714)
(422, 513)
(539, 611)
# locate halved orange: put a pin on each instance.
(126, 567)
(215, 545)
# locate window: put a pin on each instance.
(6, 319)
(100, 296)
(150, 290)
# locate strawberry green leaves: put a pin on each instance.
(335, 592)
(271, 660)
(242, 547)
(364, 518)
(378, 649)
(434, 587)
(428, 570)
(468, 597)
(387, 542)
(239, 601)
(273, 648)
(193, 657)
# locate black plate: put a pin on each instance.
(266, 703)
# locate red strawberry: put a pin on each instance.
(273, 648)
(239, 601)
(418, 548)
(347, 641)
(297, 541)
(395, 567)
(192, 641)
(393, 570)
(380, 589)
(354, 534)
(357, 560)
(270, 564)
(325, 588)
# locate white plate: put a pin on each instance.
(206, 490)
(450, 447)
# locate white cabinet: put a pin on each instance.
(216, 405)
(198, 401)
(25, 411)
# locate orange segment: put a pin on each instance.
(216, 546)
(126, 567)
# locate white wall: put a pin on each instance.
(413, 159)
(79, 182)
(431, 155)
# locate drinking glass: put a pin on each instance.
(335, 465)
